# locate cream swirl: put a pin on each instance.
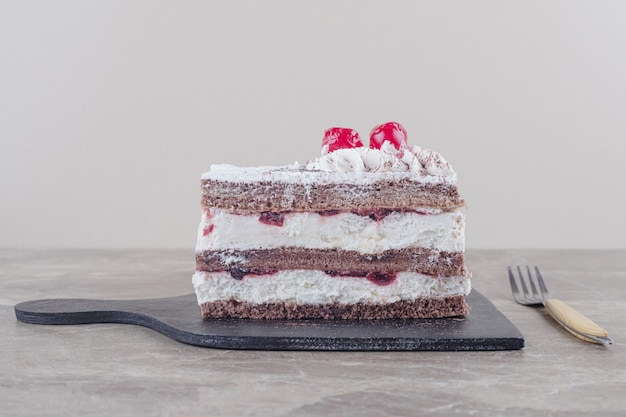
(413, 159)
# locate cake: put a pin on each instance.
(361, 232)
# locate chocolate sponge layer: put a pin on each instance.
(421, 308)
(423, 260)
(275, 196)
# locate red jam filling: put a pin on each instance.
(272, 218)
(378, 278)
(206, 230)
(326, 213)
(240, 273)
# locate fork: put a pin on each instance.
(574, 322)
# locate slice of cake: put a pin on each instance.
(360, 233)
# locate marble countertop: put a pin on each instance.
(126, 370)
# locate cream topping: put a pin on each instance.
(354, 165)
(413, 159)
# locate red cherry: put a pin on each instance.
(390, 131)
(340, 138)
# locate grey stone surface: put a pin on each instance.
(124, 370)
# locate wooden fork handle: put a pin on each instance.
(577, 324)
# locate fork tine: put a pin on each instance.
(514, 288)
(522, 281)
(542, 284)
(533, 287)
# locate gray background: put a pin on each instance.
(111, 110)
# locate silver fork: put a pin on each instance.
(574, 322)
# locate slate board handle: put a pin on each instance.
(80, 311)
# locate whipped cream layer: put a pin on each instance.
(353, 166)
(316, 287)
(444, 231)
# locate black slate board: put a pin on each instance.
(484, 328)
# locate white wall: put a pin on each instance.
(110, 110)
